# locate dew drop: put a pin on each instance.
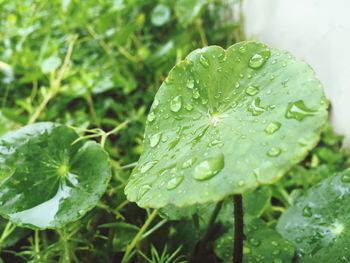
(174, 182)
(297, 110)
(273, 127)
(188, 163)
(204, 61)
(190, 83)
(188, 107)
(346, 177)
(274, 152)
(151, 116)
(147, 166)
(307, 211)
(176, 103)
(143, 190)
(255, 108)
(155, 139)
(240, 183)
(252, 90)
(254, 242)
(259, 59)
(195, 93)
(209, 168)
(242, 50)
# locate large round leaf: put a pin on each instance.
(45, 181)
(318, 224)
(225, 121)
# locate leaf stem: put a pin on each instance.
(239, 232)
(9, 228)
(138, 237)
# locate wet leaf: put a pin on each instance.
(45, 181)
(207, 137)
(318, 223)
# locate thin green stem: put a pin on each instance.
(37, 244)
(9, 228)
(138, 237)
(239, 232)
(201, 33)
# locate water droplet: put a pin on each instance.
(143, 190)
(176, 103)
(259, 59)
(147, 166)
(242, 49)
(254, 242)
(346, 177)
(274, 243)
(297, 110)
(276, 252)
(209, 168)
(151, 116)
(307, 211)
(273, 127)
(174, 182)
(252, 90)
(274, 152)
(255, 108)
(188, 163)
(188, 107)
(155, 103)
(190, 83)
(195, 93)
(204, 61)
(155, 138)
(241, 183)
(237, 85)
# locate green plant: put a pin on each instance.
(225, 122)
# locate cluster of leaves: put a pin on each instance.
(96, 66)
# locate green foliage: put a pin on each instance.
(96, 66)
(46, 179)
(214, 109)
(317, 223)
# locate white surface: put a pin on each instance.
(317, 31)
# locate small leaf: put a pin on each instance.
(50, 64)
(160, 15)
(45, 181)
(188, 10)
(318, 223)
(217, 139)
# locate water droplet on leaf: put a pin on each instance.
(155, 138)
(297, 110)
(208, 168)
(255, 108)
(274, 152)
(252, 90)
(273, 127)
(147, 166)
(176, 103)
(174, 182)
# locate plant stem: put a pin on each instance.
(239, 232)
(9, 228)
(138, 237)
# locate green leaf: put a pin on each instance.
(160, 15)
(45, 181)
(262, 244)
(50, 64)
(224, 122)
(318, 223)
(187, 11)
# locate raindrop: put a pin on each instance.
(147, 166)
(174, 182)
(155, 138)
(274, 152)
(188, 163)
(346, 177)
(252, 90)
(255, 108)
(190, 83)
(240, 183)
(204, 61)
(242, 50)
(151, 116)
(254, 242)
(259, 59)
(273, 127)
(176, 103)
(209, 168)
(143, 190)
(307, 212)
(188, 107)
(195, 93)
(297, 110)
(237, 85)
